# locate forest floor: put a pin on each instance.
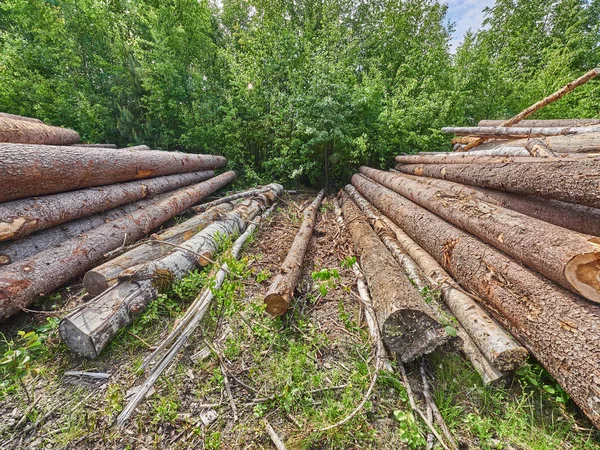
(300, 373)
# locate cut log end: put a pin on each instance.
(583, 273)
(77, 341)
(511, 359)
(95, 283)
(411, 333)
(205, 259)
(277, 304)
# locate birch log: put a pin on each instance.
(29, 131)
(281, 290)
(517, 132)
(560, 329)
(31, 170)
(493, 341)
(408, 325)
(570, 259)
(22, 217)
(544, 123)
(229, 198)
(23, 282)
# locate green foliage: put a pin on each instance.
(327, 278)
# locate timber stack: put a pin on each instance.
(506, 227)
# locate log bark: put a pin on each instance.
(571, 181)
(517, 132)
(28, 131)
(281, 290)
(30, 170)
(22, 217)
(236, 196)
(16, 117)
(577, 143)
(13, 251)
(95, 145)
(102, 277)
(544, 123)
(89, 330)
(538, 149)
(23, 282)
(137, 148)
(570, 259)
(560, 329)
(408, 325)
(539, 105)
(493, 341)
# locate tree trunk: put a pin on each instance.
(473, 158)
(23, 282)
(576, 143)
(102, 277)
(28, 131)
(89, 330)
(13, 251)
(560, 329)
(30, 170)
(566, 257)
(517, 132)
(95, 145)
(16, 117)
(281, 290)
(493, 341)
(567, 181)
(408, 325)
(22, 217)
(544, 123)
(248, 193)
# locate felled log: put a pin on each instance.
(16, 117)
(566, 257)
(229, 198)
(494, 342)
(538, 149)
(560, 329)
(89, 330)
(473, 158)
(30, 131)
(22, 217)
(516, 132)
(572, 181)
(576, 143)
(30, 170)
(137, 148)
(23, 282)
(408, 326)
(539, 105)
(95, 145)
(544, 123)
(281, 290)
(102, 277)
(13, 251)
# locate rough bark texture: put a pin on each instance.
(16, 117)
(13, 251)
(102, 277)
(408, 326)
(30, 170)
(493, 341)
(537, 148)
(90, 329)
(576, 143)
(560, 329)
(281, 290)
(516, 132)
(566, 257)
(27, 131)
(137, 148)
(95, 145)
(23, 282)
(472, 158)
(230, 198)
(544, 123)
(22, 217)
(567, 181)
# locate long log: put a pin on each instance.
(498, 158)
(30, 170)
(571, 181)
(27, 131)
(102, 277)
(23, 282)
(22, 217)
(408, 325)
(582, 219)
(540, 104)
(136, 148)
(17, 117)
(89, 330)
(281, 290)
(570, 259)
(229, 198)
(516, 132)
(95, 145)
(577, 143)
(13, 251)
(560, 329)
(544, 123)
(493, 341)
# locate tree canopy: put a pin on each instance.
(300, 91)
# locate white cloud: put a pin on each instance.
(466, 15)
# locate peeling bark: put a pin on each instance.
(577, 143)
(31, 170)
(281, 290)
(560, 329)
(23, 282)
(229, 198)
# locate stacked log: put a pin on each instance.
(25, 130)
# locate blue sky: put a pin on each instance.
(466, 14)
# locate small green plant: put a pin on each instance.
(534, 375)
(409, 429)
(114, 399)
(263, 275)
(328, 280)
(212, 440)
(348, 263)
(165, 410)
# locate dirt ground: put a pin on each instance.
(299, 373)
